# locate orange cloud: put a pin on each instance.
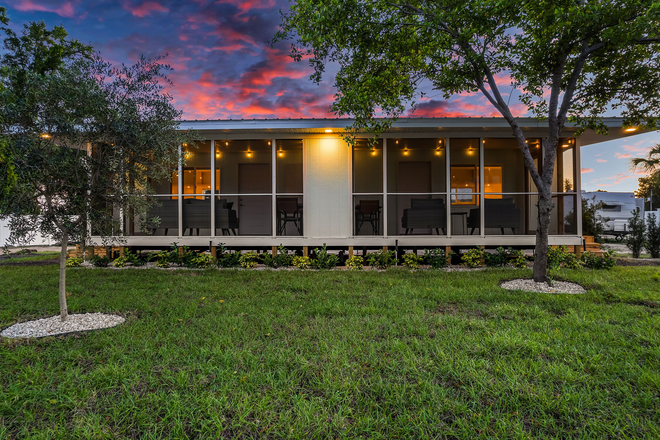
(66, 10)
(587, 170)
(622, 155)
(601, 160)
(144, 9)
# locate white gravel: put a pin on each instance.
(54, 326)
(529, 285)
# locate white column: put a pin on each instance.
(213, 195)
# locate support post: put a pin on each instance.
(214, 251)
(350, 252)
(122, 251)
(273, 251)
(448, 254)
(305, 251)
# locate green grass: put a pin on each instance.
(291, 354)
(40, 256)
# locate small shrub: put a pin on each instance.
(592, 223)
(226, 258)
(281, 259)
(355, 263)
(186, 257)
(571, 261)
(636, 239)
(134, 259)
(593, 261)
(324, 260)
(653, 236)
(74, 262)
(437, 258)
(381, 259)
(99, 261)
(249, 260)
(412, 261)
(121, 261)
(498, 259)
(472, 258)
(301, 262)
(556, 256)
(202, 261)
(518, 259)
(163, 259)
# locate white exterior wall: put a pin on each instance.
(37, 241)
(327, 204)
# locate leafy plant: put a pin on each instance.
(249, 260)
(653, 236)
(381, 259)
(323, 259)
(498, 259)
(163, 259)
(556, 256)
(635, 240)
(301, 262)
(473, 258)
(518, 259)
(593, 261)
(437, 258)
(99, 261)
(571, 261)
(134, 259)
(592, 223)
(202, 261)
(281, 259)
(355, 262)
(226, 258)
(412, 261)
(121, 261)
(74, 262)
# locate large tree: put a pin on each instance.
(80, 139)
(571, 60)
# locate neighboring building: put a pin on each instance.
(618, 208)
(427, 182)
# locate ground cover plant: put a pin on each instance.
(333, 354)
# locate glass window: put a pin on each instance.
(243, 166)
(563, 179)
(289, 159)
(416, 166)
(367, 167)
(504, 167)
(196, 169)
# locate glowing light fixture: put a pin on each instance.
(226, 143)
(328, 130)
(249, 153)
(217, 154)
(405, 151)
(397, 142)
(268, 142)
(373, 152)
(631, 129)
(45, 135)
(438, 151)
(280, 153)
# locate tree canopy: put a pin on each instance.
(571, 61)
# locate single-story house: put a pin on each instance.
(428, 182)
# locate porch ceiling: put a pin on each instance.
(436, 126)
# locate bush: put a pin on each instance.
(74, 262)
(324, 260)
(653, 236)
(518, 259)
(437, 258)
(593, 261)
(282, 259)
(556, 256)
(226, 258)
(381, 259)
(121, 261)
(100, 261)
(249, 260)
(202, 261)
(163, 259)
(473, 258)
(592, 223)
(134, 259)
(301, 262)
(355, 263)
(636, 239)
(499, 259)
(412, 261)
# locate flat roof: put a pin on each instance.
(488, 126)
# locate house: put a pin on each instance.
(617, 209)
(428, 182)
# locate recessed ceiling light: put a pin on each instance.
(631, 129)
(328, 130)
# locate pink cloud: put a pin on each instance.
(601, 160)
(66, 10)
(144, 9)
(622, 155)
(587, 170)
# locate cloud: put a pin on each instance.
(144, 9)
(587, 170)
(622, 155)
(65, 10)
(601, 160)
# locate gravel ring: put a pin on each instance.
(54, 326)
(529, 285)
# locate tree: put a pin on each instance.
(83, 138)
(571, 59)
(650, 163)
(649, 188)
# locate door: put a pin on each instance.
(254, 212)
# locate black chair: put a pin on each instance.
(425, 214)
(288, 211)
(196, 215)
(167, 213)
(367, 211)
(499, 213)
(225, 217)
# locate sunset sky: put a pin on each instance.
(223, 67)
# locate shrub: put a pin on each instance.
(472, 258)
(185, 256)
(592, 223)
(653, 236)
(437, 258)
(498, 259)
(282, 259)
(381, 259)
(571, 261)
(134, 259)
(301, 262)
(636, 239)
(556, 256)
(593, 261)
(324, 260)
(74, 262)
(355, 263)
(226, 258)
(202, 261)
(412, 261)
(120, 262)
(518, 259)
(99, 261)
(163, 259)
(249, 260)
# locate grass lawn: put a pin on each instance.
(291, 354)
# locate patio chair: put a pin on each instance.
(167, 212)
(499, 213)
(196, 215)
(367, 211)
(425, 214)
(225, 217)
(288, 211)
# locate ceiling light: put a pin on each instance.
(328, 130)
(631, 129)
(45, 135)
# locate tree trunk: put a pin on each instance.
(545, 207)
(64, 314)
